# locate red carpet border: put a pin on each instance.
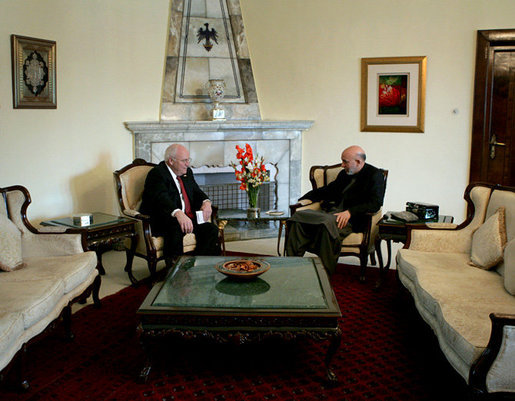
(387, 353)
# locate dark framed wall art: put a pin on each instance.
(33, 73)
(393, 94)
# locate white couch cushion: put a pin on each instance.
(488, 241)
(458, 296)
(509, 267)
(34, 299)
(10, 245)
(72, 269)
(11, 328)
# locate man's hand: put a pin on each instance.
(184, 221)
(206, 210)
(342, 218)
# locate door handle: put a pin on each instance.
(493, 144)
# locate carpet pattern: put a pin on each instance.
(387, 353)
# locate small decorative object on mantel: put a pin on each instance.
(33, 73)
(252, 175)
(216, 91)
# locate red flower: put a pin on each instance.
(389, 95)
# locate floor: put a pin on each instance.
(116, 278)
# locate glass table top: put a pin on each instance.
(290, 283)
(240, 214)
(99, 219)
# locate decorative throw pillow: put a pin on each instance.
(488, 241)
(10, 245)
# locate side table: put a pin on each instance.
(224, 216)
(396, 231)
(105, 231)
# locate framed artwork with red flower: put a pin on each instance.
(33, 73)
(393, 94)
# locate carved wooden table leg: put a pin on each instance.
(331, 351)
(147, 351)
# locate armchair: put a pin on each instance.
(130, 181)
(360, 245)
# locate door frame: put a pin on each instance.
(487, 42)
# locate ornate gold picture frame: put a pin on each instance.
(393, 94)
(33, 73)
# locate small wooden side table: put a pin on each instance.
(105, 231)
(395, 230)
(226, 215)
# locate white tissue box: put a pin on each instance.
(83, 219)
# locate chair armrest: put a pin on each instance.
(497, 358)
(304, 204)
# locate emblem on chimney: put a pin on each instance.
(207, 34)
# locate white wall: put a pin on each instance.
(306, 59)
(110, 59)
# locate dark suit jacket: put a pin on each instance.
(365, 195)
(161, 197)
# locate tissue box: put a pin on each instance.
(83, 219)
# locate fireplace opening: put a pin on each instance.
(222, 188)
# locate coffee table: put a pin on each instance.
(224, 216)
(195, 301)
(104, 231)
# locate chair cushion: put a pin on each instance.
(488, 241)
(509, 267)
(10, 245)
(133, 182)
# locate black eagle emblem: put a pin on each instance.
(207, 34)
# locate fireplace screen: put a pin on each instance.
(230, 196)
(224, 191)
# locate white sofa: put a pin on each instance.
(470, 309)
(56, 272)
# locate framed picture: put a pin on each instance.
(393, 94)
(33, 73)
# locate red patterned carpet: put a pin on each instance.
(387, 353)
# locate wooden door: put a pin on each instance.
(493, 144)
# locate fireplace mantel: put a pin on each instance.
(143, 127)
(213, 143)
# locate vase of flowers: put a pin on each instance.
(251, 172)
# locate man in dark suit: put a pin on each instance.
(358, 189)
(171, 205)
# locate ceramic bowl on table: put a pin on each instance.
(243, 268)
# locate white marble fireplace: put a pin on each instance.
(213, 143)
(186, 107)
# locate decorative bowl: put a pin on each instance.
(243, 269)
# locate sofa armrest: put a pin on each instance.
(447, 239)
(53, 244)
(493, 370)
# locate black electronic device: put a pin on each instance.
(424, 211)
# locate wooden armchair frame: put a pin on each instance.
(151, 255)
(320, 176)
